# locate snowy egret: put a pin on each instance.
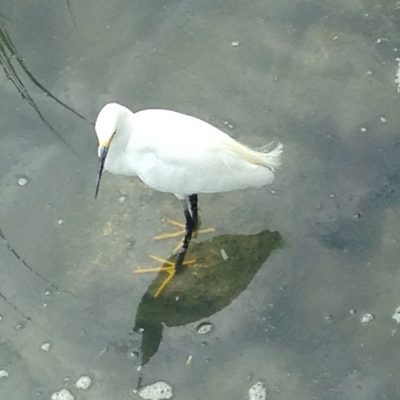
(180, 154)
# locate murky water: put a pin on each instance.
(295, 291)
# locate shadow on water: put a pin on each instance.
(11, 61)
(224, 267)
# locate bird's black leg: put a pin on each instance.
(191, 217)
(194, 211)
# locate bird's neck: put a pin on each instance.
(116, 158)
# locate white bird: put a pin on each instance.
(180, 154)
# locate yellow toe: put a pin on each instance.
(180, 231)
(167, 266)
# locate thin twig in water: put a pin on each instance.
(71, 13)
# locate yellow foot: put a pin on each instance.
(168, 267)
(180, 231)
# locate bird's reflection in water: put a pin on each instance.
(224, 267)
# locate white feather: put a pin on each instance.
(177, 153)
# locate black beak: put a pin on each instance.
(102, 152)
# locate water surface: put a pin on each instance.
(318, 76)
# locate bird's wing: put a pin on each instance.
(174, 136)
(182, 154)
(180, 139)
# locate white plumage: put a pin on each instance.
(176, 153)
(180, 154)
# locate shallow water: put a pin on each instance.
(318, 76)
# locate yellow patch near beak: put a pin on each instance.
(104, 143)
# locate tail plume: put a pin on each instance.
(268, 156)
(272, 158)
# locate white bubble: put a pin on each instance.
(224, 255)
(367, 318)
(46, 346)
(230, 125)
(22, 181)
(83, 383)
(62, 394)
(258, 392)
(396, 315)
(397, 77)
(3, 373)
(19, 326)
(204, 328)
(156, 391)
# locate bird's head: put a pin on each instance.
(106, 127)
